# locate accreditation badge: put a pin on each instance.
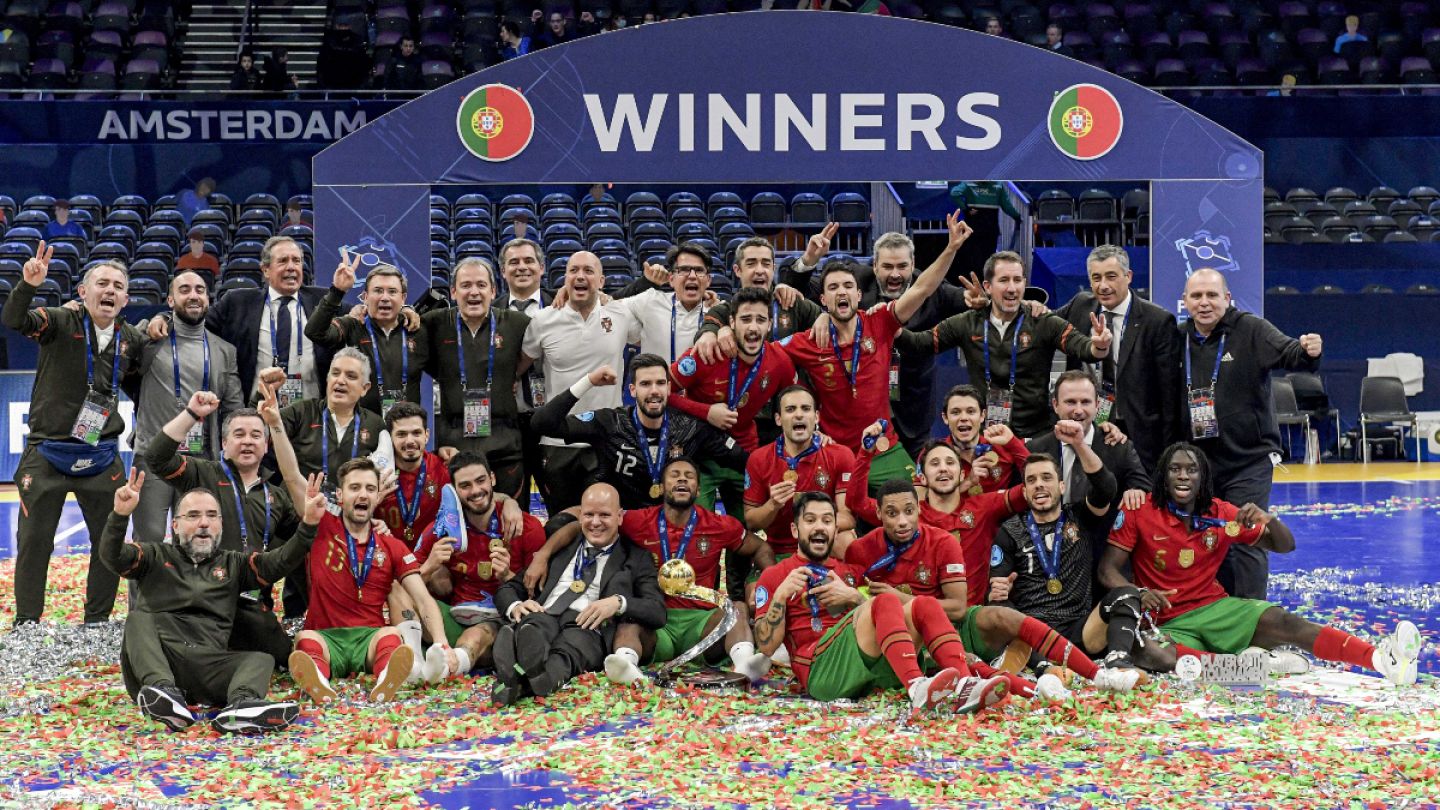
(94, 413)
(998, 404)
(477, 413)
(1203, 424)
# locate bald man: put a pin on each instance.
(565, 626)
(1226, 363)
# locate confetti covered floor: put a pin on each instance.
(69, 737)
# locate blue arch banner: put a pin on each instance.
(798, 97)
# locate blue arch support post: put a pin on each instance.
(763, 97)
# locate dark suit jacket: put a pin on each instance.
(1148, 390)
(630, 573)
(1120, 460)
(237, 317)
(502, 301)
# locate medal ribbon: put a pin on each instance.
(684, 539)
(577, 571)
(892, 554)
(360, 572)
(854, 372)
(1014, 348)
(643, 440)
(1194, 522)
(793, 463)
(732, 398)
(1049, 559)
(818, 573)
(410, 507)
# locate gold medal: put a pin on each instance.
(905, 589)
(577, 586)
(1187, 557)
(992, 456)
(497, 544)
(655, 491)
(791, 476)
(1232, 529)
(484, 570)
(882, 444)
(1054, 586)
(977, 490)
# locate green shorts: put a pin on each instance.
(1226, 626)
(972, 639)
(683, 629)
(841, 670)
(348, 647)
(891, 464)
(715, 479)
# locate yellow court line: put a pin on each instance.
(1358, 473)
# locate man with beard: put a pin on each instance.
(475, 356)
(681, 529)
(670, 321)
(1175, 543)
(352, 569)
(464, 582)
(174, 648)
(562, 626)
(847, 356)
(906, 558)
(569, 341)
(729, 394)
(191, 360)
(954, 501)
(396, 356)
(842, 644)
(75, 424)
(255, 514)
(419, 473)
(1008, 350)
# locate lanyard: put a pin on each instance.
(92, 351)
(774, 319)
(410, 507)
(732, 397)
(1219, 354)
(283, 359)
(404, 357)
(818, 573)
(460, 351)
(1049, 560)
(792, 463)
(1014, 348)
(684, 540)
(360, 571)
(236, 488)
(577, 571)
(673, 316)
(892, 554)
(854, 371)
(643, 439)
(325, 420)
(1194, 522)
(175, 357)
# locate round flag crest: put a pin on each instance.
(495, 122)
(1085, 121)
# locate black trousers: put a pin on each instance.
(570, 648)
(258, 630)
(205, 675)
(533, 473)
(1245, 573)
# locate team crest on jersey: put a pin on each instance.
(850, 580)
(219, 573)
(430, 488)
(1210, 539)
(124, 347)
(607, 325)
(1024, 340)
(967, 519)
(1071, 533)
(765, 381)
(379, 556)
(499, 341)
(1160, 561)
(822, 479)
(922, 574)
(687, 365)
(704, 545)
(784, 320)
(25, 482)
(410, 344)
(676, 451)
(868, 345)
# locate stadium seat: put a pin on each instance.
(1337, 229)
(1054, 206)
(1278, 213)
(1327, 289)
(557, 215)
(1403, 211)
(639, 214)
(722, 199)
(1422, 289)
(1377, 289)
(809, 210)
(682, 199)
(640, 199)
(1398, 237)
(850, 209)
(1296, 230)
(601, 213)
(605, 244)
(767, 209)
(590, 201)
(731, 230)
(649, 230)
(1357, 211)
(557, 200)
(560, 231)
(650, 247)
(1423, 228)
(1424, 196)
(727, 216)
(688, 214)
(1339, 196)
(687, 231)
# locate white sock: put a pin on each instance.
(741, 651)
(411, 633)
(462, 658)
(623, 666)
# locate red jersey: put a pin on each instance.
(933, 560)
(846, 409)
(973, 523)
(826, 470)
(333, 591)
(713, 533)
(800, 634)
(472, 578)
(437, 475)
(700, 385)
(1011, 459)
(1165, 555)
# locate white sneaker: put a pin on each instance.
(1282, 661)
(754, 666)
(435, 667)
(1051, 689)
(622, 670)
(927, 693)
(1396, 655)
(1116, 680)
(781, 656)
(976, 694)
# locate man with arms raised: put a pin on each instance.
(670, 321)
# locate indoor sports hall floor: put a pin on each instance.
(1367, 555)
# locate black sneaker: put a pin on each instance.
(166, 704)
(248, 716)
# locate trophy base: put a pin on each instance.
(710, 679)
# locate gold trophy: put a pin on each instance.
(677, 578)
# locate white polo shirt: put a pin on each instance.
(653, 309)
(569, 346)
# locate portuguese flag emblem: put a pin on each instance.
(1085, 121)
(495, 122)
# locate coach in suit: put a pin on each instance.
(254, 321)
(522, 264)
(1073, 398)
(1142, 372)
(566, 625)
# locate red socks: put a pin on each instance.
(1056, 648)
(939, 634)
(1181, 651)
(1018, 685)
(1337, 645)
(383, 649)
(312, 648)
(888, 616)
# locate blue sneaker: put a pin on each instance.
(471, 613)
(449, 520)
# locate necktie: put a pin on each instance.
(284, 329)
(587, 576)
(1107, 366)
(1074, 474)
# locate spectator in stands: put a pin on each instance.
(556, 33)
(994, 28)
(1055, 40)
(61, 225)
(277, 73)
(196, 258)
(1352, 33)
(192, 201)
(589, 25)
(403, 72)
(512, 43)
(246, 75)
(295, 215)
(344, 62)
(1287, 86)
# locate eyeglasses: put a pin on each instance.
(194, 516)
(688, 270)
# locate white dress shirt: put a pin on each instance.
(266, 352)
(563, 586)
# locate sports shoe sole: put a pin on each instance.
(1016, 657)
(940, 689)
(305, 673)
(254, 719)
(531, 650)
(990, 692)
(1405, 649)
(157, 705)
(394, 675)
